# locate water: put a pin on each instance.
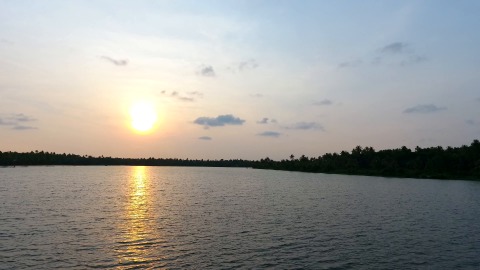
(229, 218)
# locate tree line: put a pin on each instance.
(52, 158)
(433, 162)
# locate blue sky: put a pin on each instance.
(238, 79)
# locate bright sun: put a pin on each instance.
(143, 116)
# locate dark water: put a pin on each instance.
(224, 218)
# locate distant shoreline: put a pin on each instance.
(453, 163)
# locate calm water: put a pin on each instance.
(225, 218)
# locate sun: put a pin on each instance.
(143, 116)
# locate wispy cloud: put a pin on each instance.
(256, 95)
(400, 53)
(394, 54)
(352, 63)
(425, 108)
(17, 121)
(219, 121)
(205, 138)
(20, 127)
(195, 93)
(243, 66)
(306, 126)
(186, 99)
(266, 120)
(396, 47)
(263, 121)
(116, 62)
(5, 41)
(188, 96)
(272, 134)
(470, 122)
(248, 64)
(206, 71)
(324, 102)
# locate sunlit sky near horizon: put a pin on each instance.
(238, 79)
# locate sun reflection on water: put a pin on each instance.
(137, 239)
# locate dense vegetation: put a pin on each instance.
(434, 162)
(46, 158)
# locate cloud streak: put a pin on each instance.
(400, 53)
(424, 108)
(272, 134)
(205, 138)
(324, 102)
(219, 121)
(395, 48)
(266, 120)
(116, 62)
(306, 126)
(188, 97)
(353, 63)
(257, 95)
(17, 121)
(470, 122)
(395, 53)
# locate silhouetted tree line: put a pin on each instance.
(434, 162)
(46, 158)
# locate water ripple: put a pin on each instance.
(224, 218)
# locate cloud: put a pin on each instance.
(116, 62)
(263, 121)
(400, 53)
(243, 66)
(426, 108)
(205, 138)
(272, 134)
(306, 126)
(219, 121)
(23, 127)
(324, 102)
(415, 59)
(347, 64)
(5, 41)
(266, 120)
(256, 95)
(396, 47)
(17, 121)
(470, 122)
(248, 64)
(189, 96)
(478, 99)
(206, 71)
(395, 53)
(195, 93)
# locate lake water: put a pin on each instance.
(233, 218)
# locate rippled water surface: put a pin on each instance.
(229, 218)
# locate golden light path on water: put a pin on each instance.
(138, 237)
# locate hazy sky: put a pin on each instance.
(238, 79)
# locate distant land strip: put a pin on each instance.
(433, 162)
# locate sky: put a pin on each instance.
(238, 79)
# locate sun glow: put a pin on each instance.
(143, 116)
